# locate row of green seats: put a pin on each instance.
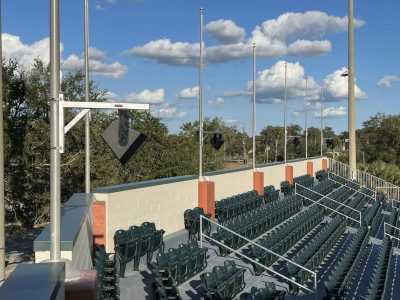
(191, 219)
(107, 287)
(181, 263)
(284, 237)
(287, 188)
(305, 180)
(336, 280)
(136, 242)
(268, 292)
(270, 194)
(164, 288)
(377, 283)
(314, 194)
(224, 282)
(256, 222)
(317, 249)
(321, 175)
(234, 206)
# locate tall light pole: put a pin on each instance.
(87, 95)
(285, 113)
(306, 117)
(55, 199)
(2, 202)
(322, 121)
(254, 106)
(351, 95)
(201, 96)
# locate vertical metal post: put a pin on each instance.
(351, 95)
(284, 113)
(305, 117)
(322, 122)
(54, 150)
(254, 106)
(276, 150)
(87, 95)
(2, 202)
(201, 97)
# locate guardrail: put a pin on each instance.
(333, 200)
(365, 179)
(237, 252)
(388, 234)
(371, 197)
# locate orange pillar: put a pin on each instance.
(289, 174)
(324, 165)
(99, 222)
(258, 182)
(310, 168)
(206, 197)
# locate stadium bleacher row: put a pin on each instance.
(311, 223)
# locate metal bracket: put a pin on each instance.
(86, 107)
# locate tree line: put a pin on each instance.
(164, 154)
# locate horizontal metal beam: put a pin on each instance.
(105, 105)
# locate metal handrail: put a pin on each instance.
(357, 191)
(354, 182)
(341, 204)
(388, 234)
(252, 260)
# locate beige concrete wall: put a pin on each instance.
(165, 203)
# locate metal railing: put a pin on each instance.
(352, 182)
(388, 234)
(365, 179)
(237, 252)
(333, 200)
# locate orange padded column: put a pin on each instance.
(258, 182)
(99, 222)
(206, 199)
(310, 168)
(324, 165)
(289, 174)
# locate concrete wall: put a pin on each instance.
(164, 201)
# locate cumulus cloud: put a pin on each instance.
(97, 54)
(217, 101)
(294, 34)
(337, 86)
(332, 112)
(168, 111)
(98, 67)
(147, 96)
(270, 83)
(189, 93)
(225, 31)
(25, 54)
(388, 80)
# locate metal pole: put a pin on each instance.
(254, 106)
(2, 202)
(54, 151)
(305, 118)
(284, 113)
(351, 95)
(276, 150)
(87, 96)
(201, 97)
(322, 123)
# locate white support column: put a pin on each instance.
(87, 95)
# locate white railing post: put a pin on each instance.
(201, 231)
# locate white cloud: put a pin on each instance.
(97, 54)
(147, 96)
(337, 86)
(217, 101)
(111, 96)
(189, 93)
(25, 54)
(270, 83)
(98, 67)
(294, 34)
(332, 112)
(168, 111)
(388, 80)
(225, 31)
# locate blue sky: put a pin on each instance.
(146, 50)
